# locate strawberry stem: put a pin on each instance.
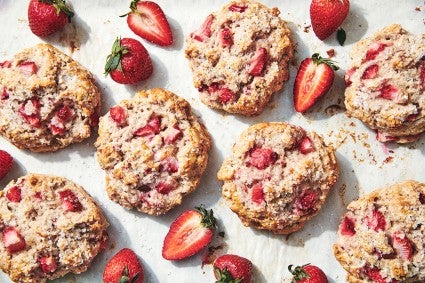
(133, 8)
(317, 59)
(298, 272)
(113, 61)
(208, 219)
(60, 6)
(224, 276)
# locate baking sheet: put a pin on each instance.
(364, 163)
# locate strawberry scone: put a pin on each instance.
(278, 176)
(153, 149)
(49, 226)
(47, 100)
(386, 84)
(239, 57)
(381, 236)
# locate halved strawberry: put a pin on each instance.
(348, 74)
(306, 146)
(306, 201)
(261, 158)
(371, 72)
(164, 188)
(374, 49)
(4, 94)
(189, 234)
(237, 8)
(119, 115)
(14, 194)
(257, 194)
(258, 62)
(403, 245)
(390, 92)
(169, 164)
(375, 220)
(6, 162)
(347, 227)
(28, 68)
(147, 20)
(70, 201)
(314, 79)
(204, 30)
(30, 111)
(48, 264)
(13, 240)
(172, 134)
(226, 37)
(225, 95)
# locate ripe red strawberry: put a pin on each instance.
(306, 146)
(6, 162)
(123, 267)
(347, 227)
(48, 16)
(315, 77)
(327, 15)
(147, 20)
(307, 274)
(14, 194)
(403, 245)
(232, 268)
(375, 220)
(262, 158)
(258, 62)
(13, 240)
(129, 62)
(189, 234)
(48, 264)
(70, 201)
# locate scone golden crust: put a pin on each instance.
(47, 100)
(278, 176)
(386, 84)
(153, 149)
(239, 57)
(381, 236)
(49, 226)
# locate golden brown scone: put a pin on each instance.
(380, 238)
(386, 84)
(278, 176)
(153, 149)
(239, 57)
(47, 100)
(49, 226)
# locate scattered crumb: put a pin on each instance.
(333, 109)
(331, 53)
(418, 9)
(210, 256)
(307, 29)
(388, 159)
(352, 124)
(221, 234)
(341, 194)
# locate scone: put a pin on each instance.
(49, 226)
(386, 84)
(239, 57)
(278, 176)
(153, 149)
(47, 100)
(381, 237)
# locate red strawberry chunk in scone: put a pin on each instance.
(57, 126)
(28, 68)
(347, 227)
(6, 64)
(204, 32)
(172, 134)
(258, 62)
(375, 220)
(306, 201)
(48, 264)
(422, 71)
(226, 37)
(390, 92)
(237, 8)
(30, 111)
(375, 274)
(119, 115)
(306, 146)
(164, 188)
(65, 113)
(213, 88)
(262, 158)
(374, 49)
(371, 72)
(225, 95)
(348, 74)
(13, 240)
(257, 196)
(152, 128)
(14, 194)
(70, 202)
(169, 164)
(4, 94)
(403, 245)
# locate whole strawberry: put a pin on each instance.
(129, 62)
(230, 268)
(124, 267)
(307, 274)
(48, 16)
(6, 162)
(327, 15)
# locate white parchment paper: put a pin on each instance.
(365, 164)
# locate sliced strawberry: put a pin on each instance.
(119, 115)
(48, 264)
(237, 8)
(225, 95)
(30, 111)
(347, 227)
(164, 188)
(374, 49)
(70, 202)
(375, 220)
(403, 245)
(213, 88)
(14, 194)
(13, 240)
(169, 164)
(390, 92)
(262, 158)
(189, 234)
(371, 72)
(147, 20)
(257, 62)
(226, 37)
(204, 32)
(257, 194)
(375, 274)
(6, 162)
(28, 68)
(348, 74)
(306, 201)
(314, 79)
(384, 137)
(6, 64)
(65, 113)
(172, 134)
(306, 146)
